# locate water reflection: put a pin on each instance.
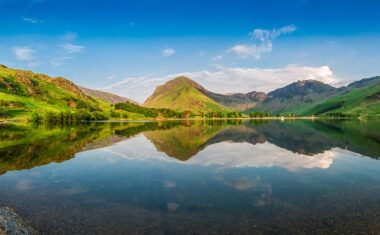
(270, 143)
(212, 177)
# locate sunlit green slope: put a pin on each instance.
(362, 98)
(23, 92)
(183, 94)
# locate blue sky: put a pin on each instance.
(129, 47)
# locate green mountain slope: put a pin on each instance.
(296, 97)
(183, 94)
(360, 98)
(23, 92)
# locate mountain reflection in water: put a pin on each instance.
(211, 177)
(268, 143)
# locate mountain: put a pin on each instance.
(307, 97)
(183, 94)
(112, 98)
(359, 98)
(237, 101)
(364, 82)
(23, 92)
(297, 97)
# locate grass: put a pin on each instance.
(183, 97)
(354, 103)
(41, 93)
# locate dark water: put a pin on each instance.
(291, 177)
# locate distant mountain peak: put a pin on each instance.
(182, 94)
(308, 82)
(183, 80)
(107, 96)
(302, 88)
(364, 82)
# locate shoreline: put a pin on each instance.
(12, 223)
(25, 121)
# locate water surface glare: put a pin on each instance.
(196, 177)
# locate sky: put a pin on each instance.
(129, 47)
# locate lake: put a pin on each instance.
(194, 177)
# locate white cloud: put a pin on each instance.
(254, 50)
(70, 36)
(71, 48)
(265, 37)
(242, 155)
(56, 62)
(23, 53)
(227, 80)
(218, 57)
(238, 155)
(68, 49)
(201, 53)
(168, 52)
(32, 64)
(111, 77)
(32, 20)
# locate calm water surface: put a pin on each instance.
(214, 177)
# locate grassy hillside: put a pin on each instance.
(363, 98)
(182, 94)
(24, 92)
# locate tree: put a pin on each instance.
(35, 118)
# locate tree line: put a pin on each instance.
(67, 117)
(152, 112)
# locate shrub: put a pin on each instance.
(71, 118)
(35, 118)
(147, 112)
(114, 114)
(259, 114)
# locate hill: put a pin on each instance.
(23, 92)
(359, 98)
(307, 97)
(109, 97)
(25, 95)
(183, 94)
(237, 101)
(297, 97)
